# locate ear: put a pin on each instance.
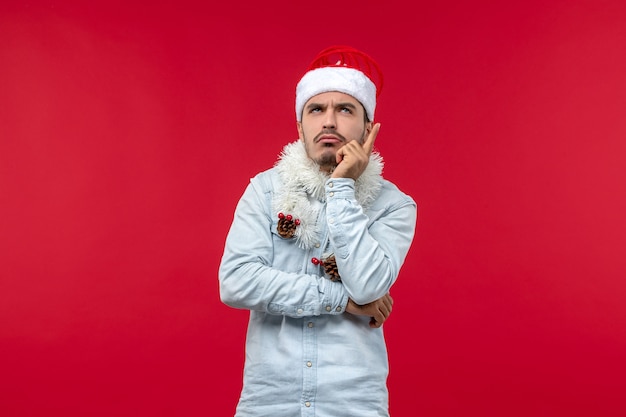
(368, 127)
(300, 133)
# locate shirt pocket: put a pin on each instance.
(287, 255)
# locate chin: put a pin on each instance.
(327, 160)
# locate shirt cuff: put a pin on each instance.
(339, 188)
(335, 297)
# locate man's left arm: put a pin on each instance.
(369, 248)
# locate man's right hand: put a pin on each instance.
(378, 310)
(353, 157)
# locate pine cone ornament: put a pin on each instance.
(330, 267)
(286, 225)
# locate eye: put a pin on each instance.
(315, 109)
(346, 109)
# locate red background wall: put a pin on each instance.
(128, 132)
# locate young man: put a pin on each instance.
(316, 243)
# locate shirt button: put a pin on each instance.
(317, 245)
(300, 311)
(331, 194)
(308, 403)
(328, 308)
(331, 221)
(338, 309)
(310, 324)
(309, 364)
(330, 184)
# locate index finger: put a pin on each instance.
(369, 142)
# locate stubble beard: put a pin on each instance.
(327, 162)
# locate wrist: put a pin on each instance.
(351, 307)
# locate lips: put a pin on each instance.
(329, 139)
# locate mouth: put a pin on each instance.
(327, 139)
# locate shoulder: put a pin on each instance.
(391, 196)
(266, 181)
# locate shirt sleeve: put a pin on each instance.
(369, 248)
(248, 277)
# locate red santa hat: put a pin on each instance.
(343, 69)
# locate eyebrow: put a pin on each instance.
(338, 105)
(346, 104)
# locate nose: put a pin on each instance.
(329, 121)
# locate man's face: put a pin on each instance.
(329, 121)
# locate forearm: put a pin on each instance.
(369, 249)
(253, 286)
